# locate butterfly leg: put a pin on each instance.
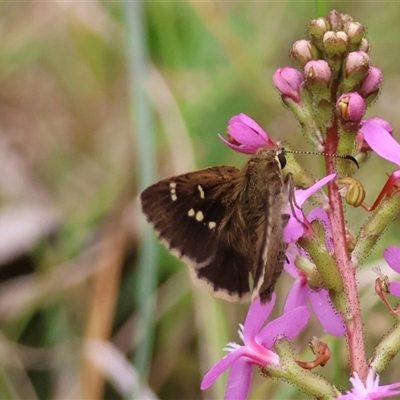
(291, 197)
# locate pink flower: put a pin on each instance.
(381, 141)
(319, 299)
(288, 81)
(295, 229)
(246, 136)
(371, 390)
(362, 145)
(392, 257)
(256, 350)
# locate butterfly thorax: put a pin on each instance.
(260, 207)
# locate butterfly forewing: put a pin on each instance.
(225, 223)
(189, 211)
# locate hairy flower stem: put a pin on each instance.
(352, 316)
(386, 350)
(306, 380)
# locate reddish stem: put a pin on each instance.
(347, 270)
(390, 186)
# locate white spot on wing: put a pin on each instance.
(191, 212)
(199, 216)
(212, 224)
(174, 197)
(201, 191)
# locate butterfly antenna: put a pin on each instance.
(345, 156)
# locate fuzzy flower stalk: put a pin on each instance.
(338, 84)
(328, 92)
(261, 348)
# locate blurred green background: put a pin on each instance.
(99, 99)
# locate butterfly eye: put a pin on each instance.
(281, 158)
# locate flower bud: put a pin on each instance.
(364, 45)
(356, 67)
(372, 82)
(303, 51)
(288, 81)
(357, 62)
(335, 43)
(355, 31)
(335, 20)
(318, 70)
(318, 75)
(246, 136)
(317, 28)
(350, 107)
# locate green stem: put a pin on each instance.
(321, 8)
(306, 380)
(387, 349)
(377, 223)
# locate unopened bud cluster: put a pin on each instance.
(334, 81)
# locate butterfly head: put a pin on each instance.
(280, 156)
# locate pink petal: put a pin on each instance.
(380, 140)
(235, 119)
(221, 366)
(246, 136)
(380, 121)
(245, 119)
(377, 392)
(326, 313)
(290, 324)
(378, 395)
(303, 195)
(239, 148)
(294, 229)
(297, 296)
(290, 268)
(239, 380)
(392, 257)
(256, 317)
(394, 288)
(319, 213)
